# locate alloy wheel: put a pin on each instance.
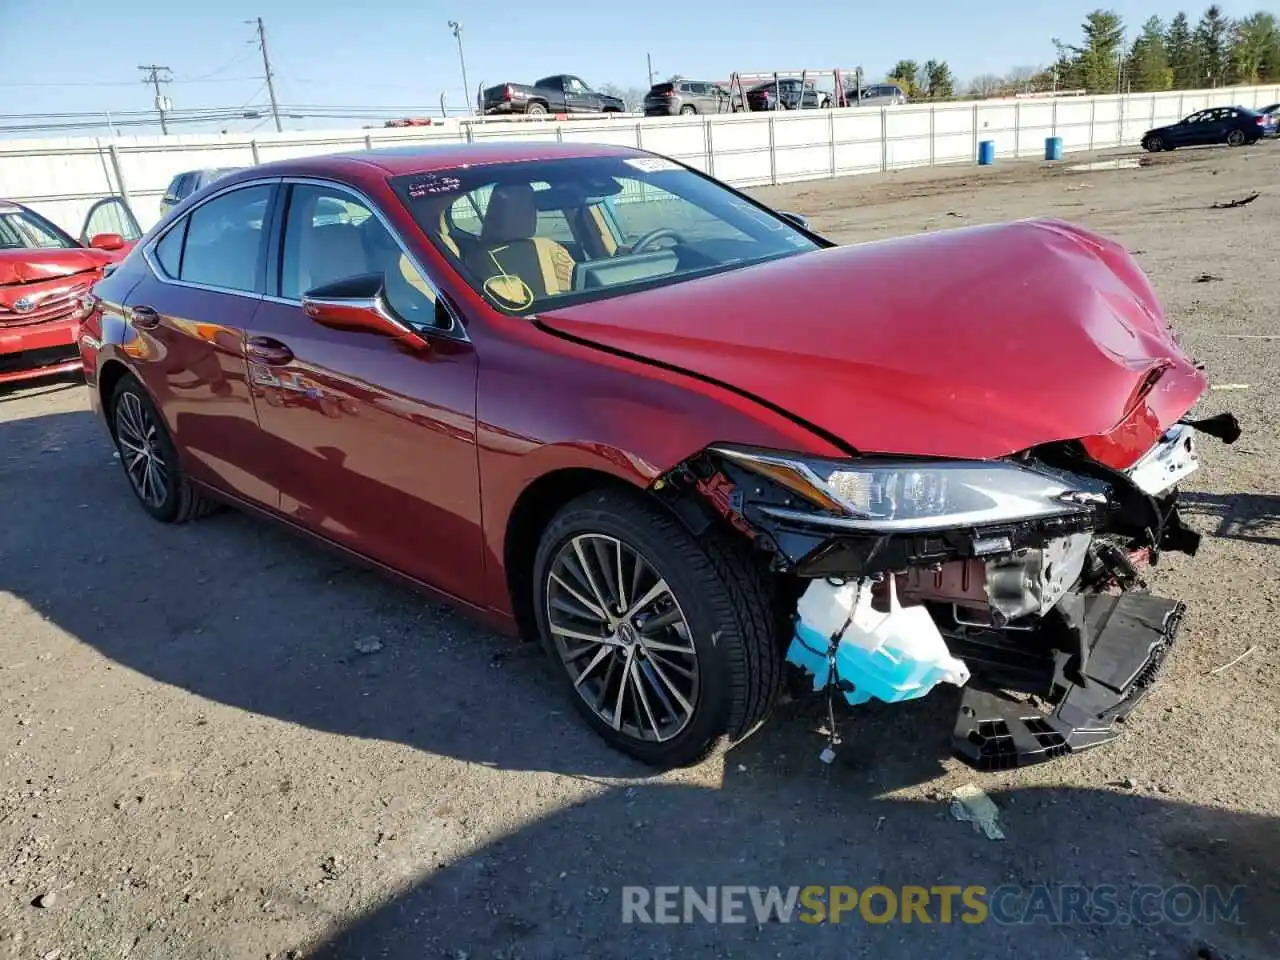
(139, 440)
(620, 633)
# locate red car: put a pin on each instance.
(601, 399)
(44, 273)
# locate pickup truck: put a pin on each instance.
(561, 93)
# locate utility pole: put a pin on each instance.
(266, 67)
(156, 75)
(456, 27)
(649, 60)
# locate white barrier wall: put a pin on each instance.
(61, 178)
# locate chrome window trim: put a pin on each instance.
(455, 330)
(153, 262)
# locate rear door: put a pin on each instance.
(190, 311)
(373, 444)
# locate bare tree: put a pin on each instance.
(631, 97)
(1019, 78)
(984, 85)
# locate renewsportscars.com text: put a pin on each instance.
(943, 904)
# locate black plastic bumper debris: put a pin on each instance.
(1131, 636)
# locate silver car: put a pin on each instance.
(185, 184)
(876, 95)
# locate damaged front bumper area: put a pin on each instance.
(1020, 580)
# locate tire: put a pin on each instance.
(718, 675)
(140, 434)
(1235, 138)
(688, 108)
(1154, 144)
(535, 110)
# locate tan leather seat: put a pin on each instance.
(509, 248)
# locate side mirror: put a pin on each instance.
(358, 304)
(799, 221)
(106, 241)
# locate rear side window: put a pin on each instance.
(224, 240)
(168, 251)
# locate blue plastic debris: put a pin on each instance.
(893, 656)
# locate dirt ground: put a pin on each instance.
(199, 762)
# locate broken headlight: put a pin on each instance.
(905, 495)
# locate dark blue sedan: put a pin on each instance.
(1234, 126)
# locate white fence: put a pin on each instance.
(61, 178)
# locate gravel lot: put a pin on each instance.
(199, 761)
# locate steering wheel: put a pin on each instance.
(653, 236)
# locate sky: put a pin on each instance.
(82, 55)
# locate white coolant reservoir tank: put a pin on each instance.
(892, 656)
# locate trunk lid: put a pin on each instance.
(970, 343)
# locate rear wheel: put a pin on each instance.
(665, 644)
(150, 458)
(1235, 138)
(536, 110)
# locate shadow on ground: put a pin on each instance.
(1253, 517)
(238, 612)
(555, 889)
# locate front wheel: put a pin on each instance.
(666, 644)
(1154, 144)
(688, 108)
(1235, 138)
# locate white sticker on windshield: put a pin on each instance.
(652, 164)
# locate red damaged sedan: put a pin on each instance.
(44, 273)
(604, 400)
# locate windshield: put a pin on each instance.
(535, 235)
(24, 230)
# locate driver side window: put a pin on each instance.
(329, 236)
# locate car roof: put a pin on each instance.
(419, 158)
(11, 206)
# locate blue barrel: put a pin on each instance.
(986, 153)
(1053, 148)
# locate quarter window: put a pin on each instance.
(329, 236)
(169, 249)
(224, 240)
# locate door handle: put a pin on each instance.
(144, 317)
(269, 351)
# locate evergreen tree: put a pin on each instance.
(937, 74)
(1182, 54)
(1211, 41)
(1148, 67)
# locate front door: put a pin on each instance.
(190, 317)
(1194, 130)
(577, 98)
(374, 442)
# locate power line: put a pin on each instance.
(153, 76)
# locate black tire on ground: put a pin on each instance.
(1235, 138)
(1153, 144)
(688, 108)
(172, 499)
(535, 109)
(726, 604)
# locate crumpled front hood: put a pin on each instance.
(971, 343)
(32, 266)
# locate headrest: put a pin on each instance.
(511, 215)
